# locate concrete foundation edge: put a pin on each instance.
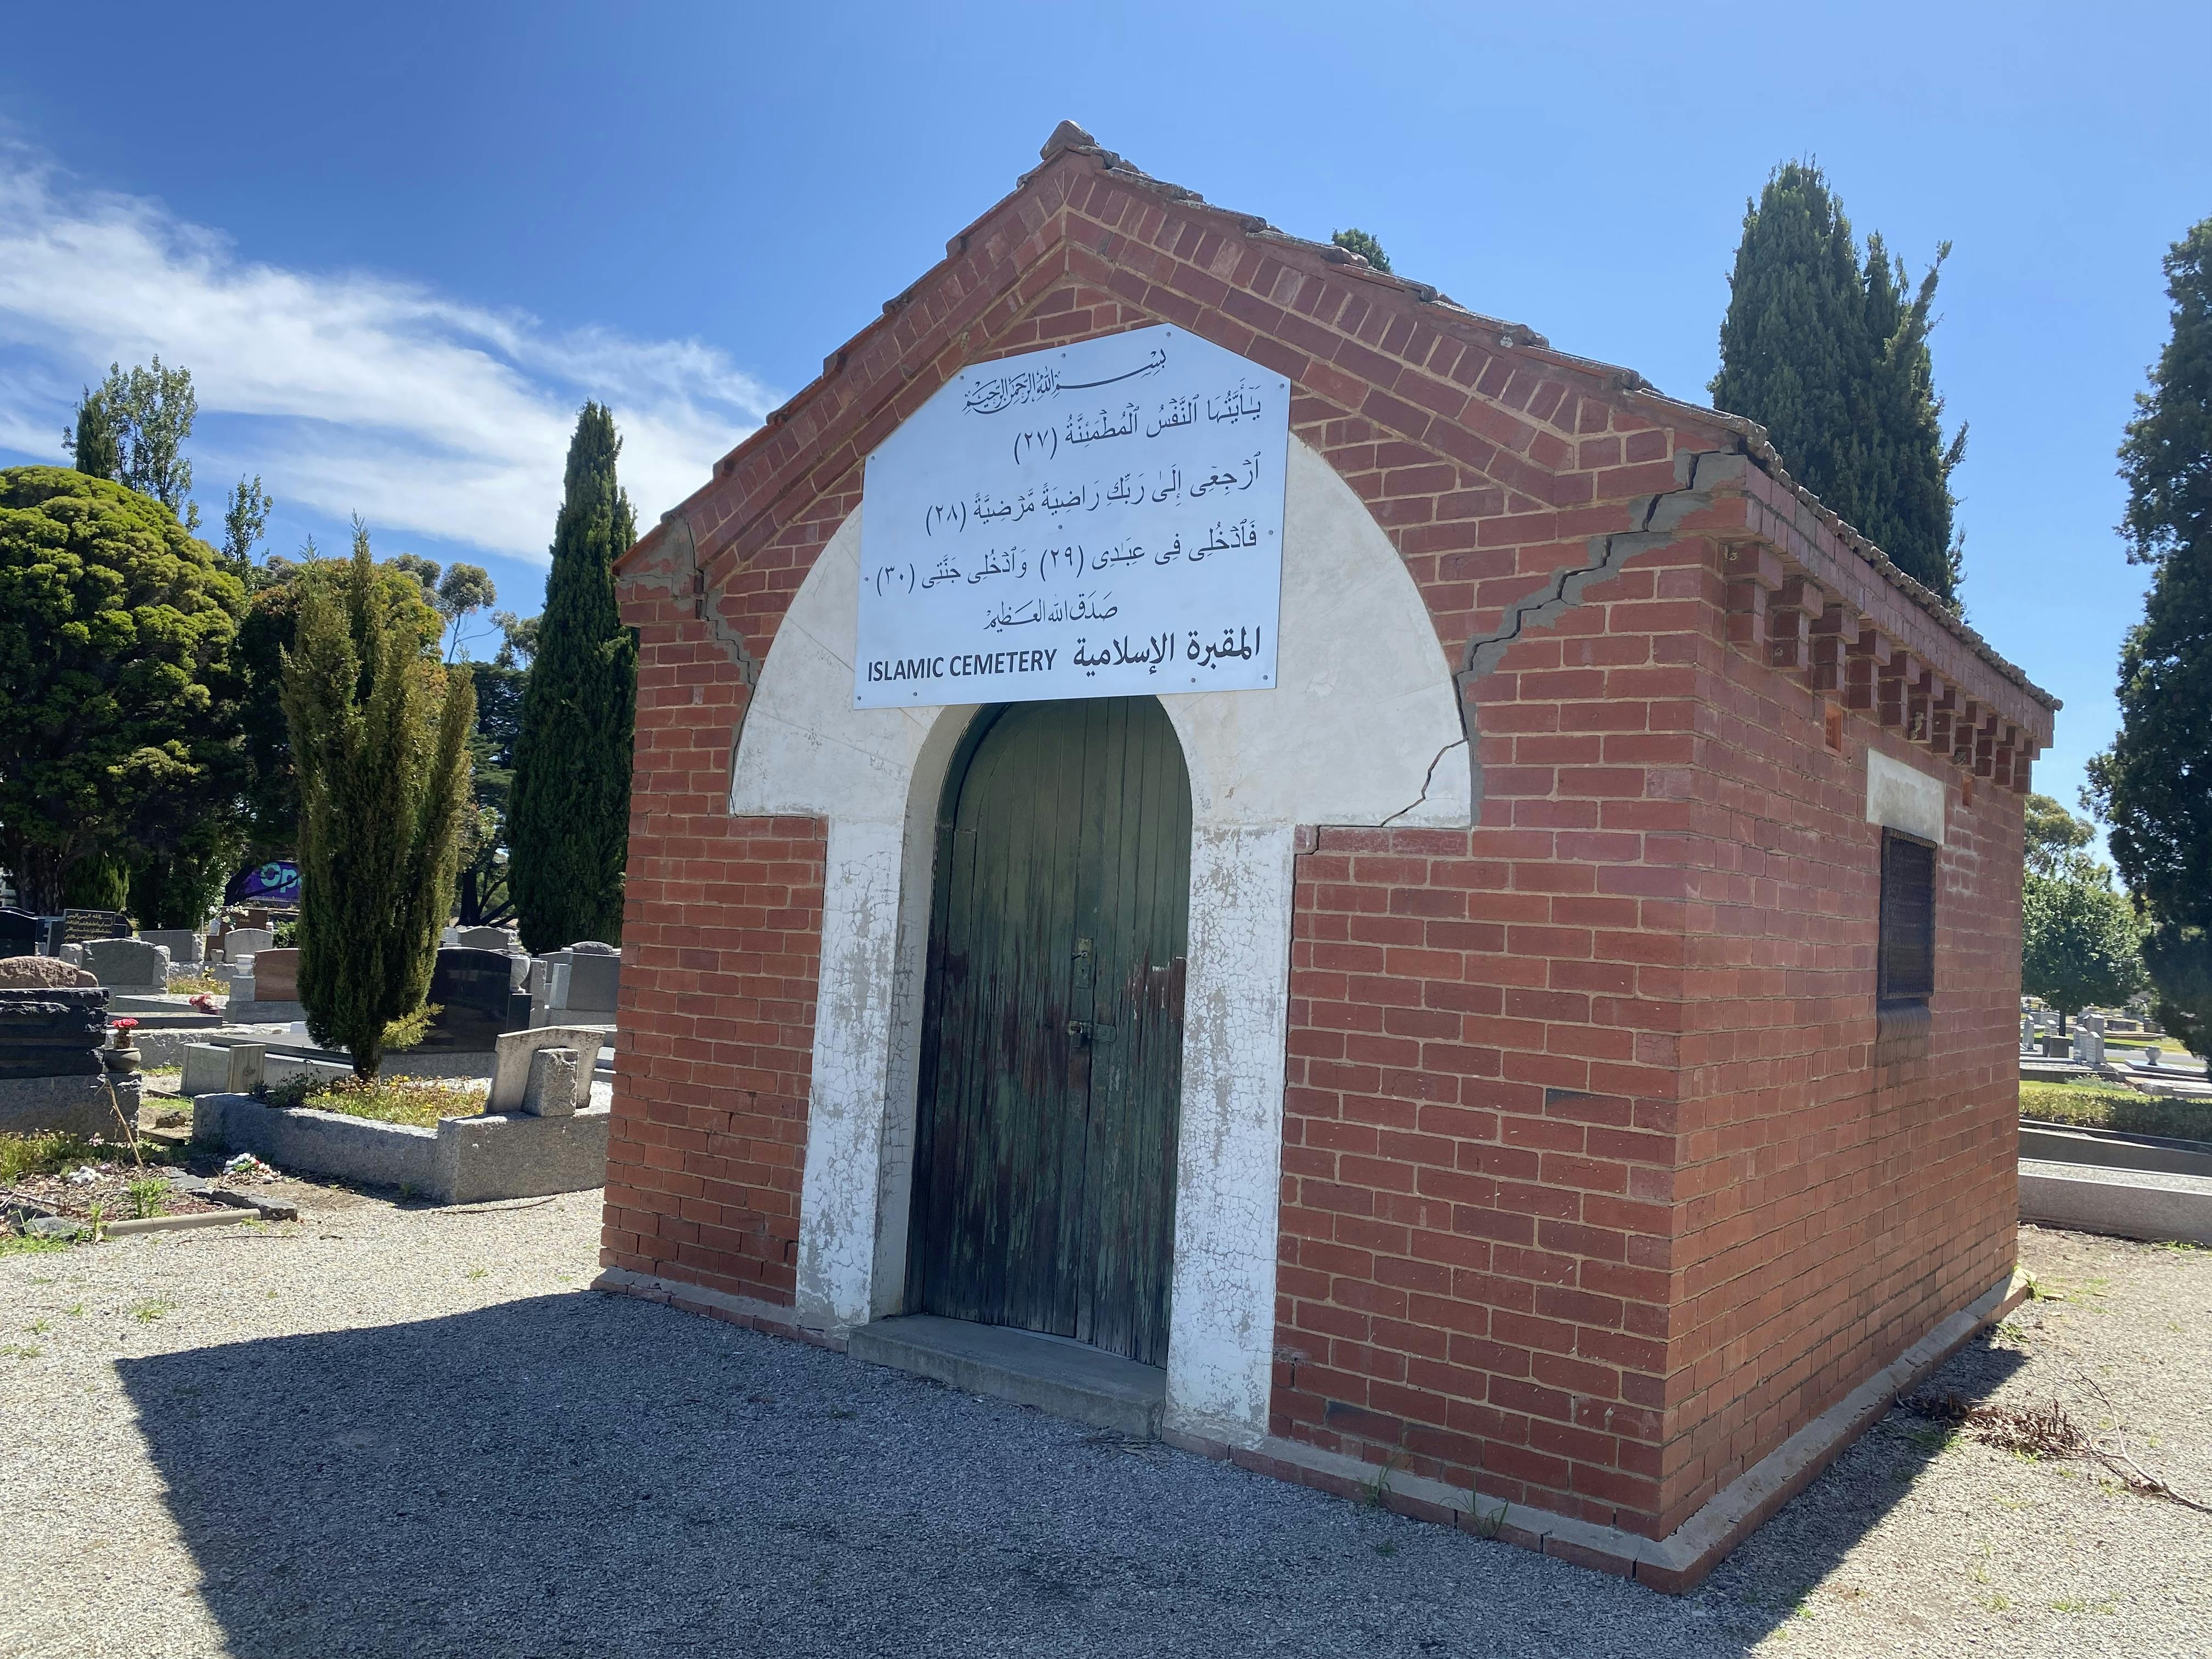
(463, 1161)
(1674, 1565)
(2117, 1208)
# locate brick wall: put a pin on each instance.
(722, 945)
(1477, 1265)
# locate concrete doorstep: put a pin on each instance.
(1066, 1378)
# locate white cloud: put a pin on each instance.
(363, 392)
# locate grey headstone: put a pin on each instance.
(485, 939)
(552, 1088)
(128, 964)
(183, 944)
(591, 982)
(592, 947)
(244, 941)
(510, 1083)
(223, 1068)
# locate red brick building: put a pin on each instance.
(1598, 994)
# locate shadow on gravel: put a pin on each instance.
(594, 1476)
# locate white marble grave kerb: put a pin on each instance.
(1098, 519)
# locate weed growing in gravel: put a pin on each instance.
(24, 1244)
(153, 1307)
(39, 1328)
(2107, 1604)
(19, 1351)
(148, 1197)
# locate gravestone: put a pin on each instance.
(277, 975)
(2057, 1048)
(511, 1079)
(221, 1068)
(42, 973)
(470, 990)
(52, 1031)
(128, 964)
(2089, 1040)
(82, 926)
(245, 942)
(21, 934)
(183, 944)
(486, 938)
(582, 982)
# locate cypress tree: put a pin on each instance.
(1823, 349)
(378, 733)
(2154, 785)
(570, 810)
(92, 441)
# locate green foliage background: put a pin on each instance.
(118, 698)
(1828, 353)
(377, 733)
(2154, 786)
(569, 809)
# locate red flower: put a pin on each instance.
(126, 1024)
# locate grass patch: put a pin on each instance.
(46, 1152)
(419, 1102)
(30, 1244)
(186, 985)
(2103, 1106)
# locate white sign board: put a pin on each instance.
(1098, 519)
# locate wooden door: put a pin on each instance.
(1052, 1057)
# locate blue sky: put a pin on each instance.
(397, 245)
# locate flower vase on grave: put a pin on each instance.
(121, 1053)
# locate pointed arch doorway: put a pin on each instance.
(1051, 1069)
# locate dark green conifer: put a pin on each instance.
(379, 736)
(1825, 351)
(92, 440)
(568, 823)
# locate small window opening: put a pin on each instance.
(1835, 728)
(1905, 955)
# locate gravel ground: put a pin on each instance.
(413, 1431)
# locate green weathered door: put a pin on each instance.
(1052, 1057)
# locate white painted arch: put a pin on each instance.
(1361, 728)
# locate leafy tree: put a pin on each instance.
(517, 641)
(91, 439)
(570, 818)
(2180, 961)
(271, 791)
(462, 591)
(1823, 349)
(97, 882)
(378, 735)
(152, 410)
(2154, 786)
(2080, 941)
(244, 518)
(119, 716)
(2053, 835)
(485, 897)
(1359, 242)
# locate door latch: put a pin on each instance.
(1085, 1031)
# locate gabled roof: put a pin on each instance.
(777, 457)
